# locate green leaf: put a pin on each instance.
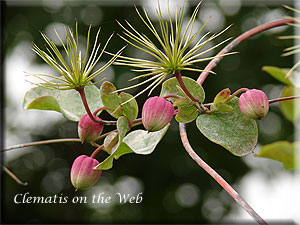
(108, 162)
(44, 103)
(138, 141)
(186, 111)
(278, 73)
(113, 101)
(123, 127)
(282, 151)
(222, 96)
(67, 102)
(144, 142)
(110, 99)
(233, 130)
(289, 107)
(222, 107)
(110, 141)
(171, 85)
(130, 109)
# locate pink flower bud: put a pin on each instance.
(88, 130)
(83, 174)
(157, 113)
(254, 104)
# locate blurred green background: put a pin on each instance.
(175, 189)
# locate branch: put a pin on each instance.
(237, 41)
(41, 143)
(13, 176)
(283, 99)
(270, 101)
(216, 176)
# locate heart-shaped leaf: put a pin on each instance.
(130, 109)
(170, 87)
(110, 99)
(67, 102)
(232, 130)
(113, 101)
(282, 151)
(186, 111)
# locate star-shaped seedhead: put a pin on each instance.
(296, 48)
(75, 72)
(175, 51)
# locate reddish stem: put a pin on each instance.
(100, 109)
(283, 99)
(199, 107)
(93, 155)
(216, 176)
(236, 93)
(237, 41)
(87, 109)
(41, 143)
(13, 176)
(171, 96)
(182, 85)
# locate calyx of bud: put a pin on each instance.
(254, 104)
(83, 174)
(157, 113)
(88, 130)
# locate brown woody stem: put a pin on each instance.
(216, 176)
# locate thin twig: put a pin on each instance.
(283, 99)
(270, 101)
(237, 41)
(184, 88)
(13, 176)
(41, 143)
(199, 107)
(216, 176)
(93, 155)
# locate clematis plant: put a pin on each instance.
(228, 121)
